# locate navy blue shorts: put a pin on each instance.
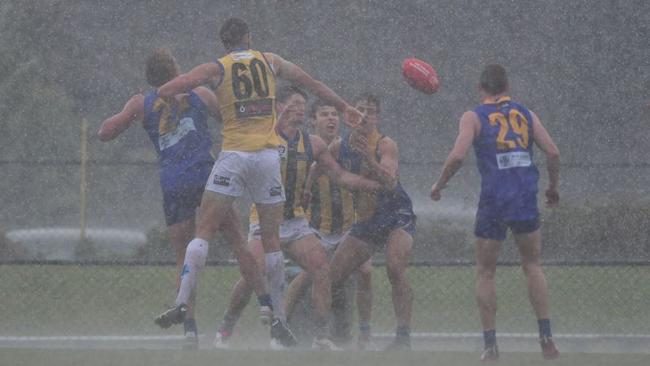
(376, 230)
(181, 201)
(495, 215)
(496, 229)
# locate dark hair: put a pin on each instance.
(160, 67)
(368, 98)
(285, 92)
(318, 103)
(232, 32)
(494, 79)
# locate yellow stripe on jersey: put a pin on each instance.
(246, 97)
(296, 158)
(332, 209)
(366, 201)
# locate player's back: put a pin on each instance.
(246, 97)
(179, 133)
(504, 150)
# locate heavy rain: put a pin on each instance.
(85, 254)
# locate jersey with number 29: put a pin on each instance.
(246, 97)
(504, 151)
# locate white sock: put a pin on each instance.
(195, 257)
(275, 279)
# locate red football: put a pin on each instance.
(420, 75)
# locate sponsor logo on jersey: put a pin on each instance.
(275, 191)
(221, 180)
(513, 159)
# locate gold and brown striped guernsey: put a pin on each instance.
(296, 158)
(331, 210)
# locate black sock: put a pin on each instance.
(403, 333)
(190, 325)
(490, 338)
(265, 300)
(364, 328)
(544, 328)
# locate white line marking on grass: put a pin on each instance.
(98, 338)
(519, 335)
(109, 338)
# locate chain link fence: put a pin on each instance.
(114, 281)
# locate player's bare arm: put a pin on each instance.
(468, 129)
(387, 166)
(544, 141)
(133, 111)
(339, 175)
(292, 72)
(204, 74)
(209, 99)
(312, 176)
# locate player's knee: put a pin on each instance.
(197, 253)
(485, 272)
(364, 277)
(396, 275)
(531, 268)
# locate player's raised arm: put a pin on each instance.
(544, 141)
(113, 126)
(205, 74)
(292, 72)
(468, 129)
(339, 175)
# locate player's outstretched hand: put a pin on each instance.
(435, 192)
(552, 197)
(353, 117)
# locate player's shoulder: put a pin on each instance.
(387, 142)
(137, 98)
(471, 114)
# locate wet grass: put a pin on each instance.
(236, 358)
(104, 300)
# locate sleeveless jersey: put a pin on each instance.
(331, 210)
(246, 97)
(369, 205)
(296, 157)
(179, 134)
(504, 150)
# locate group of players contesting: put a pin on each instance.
(325, 201)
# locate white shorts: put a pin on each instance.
(290, 231)
(257, 172)
(330, 241)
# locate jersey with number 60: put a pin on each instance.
(246, 97)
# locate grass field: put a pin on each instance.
(102, 300)
(268, 358)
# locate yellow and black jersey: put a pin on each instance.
(331, 210)
(365, 202)
(296, 157)
(246, 97)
